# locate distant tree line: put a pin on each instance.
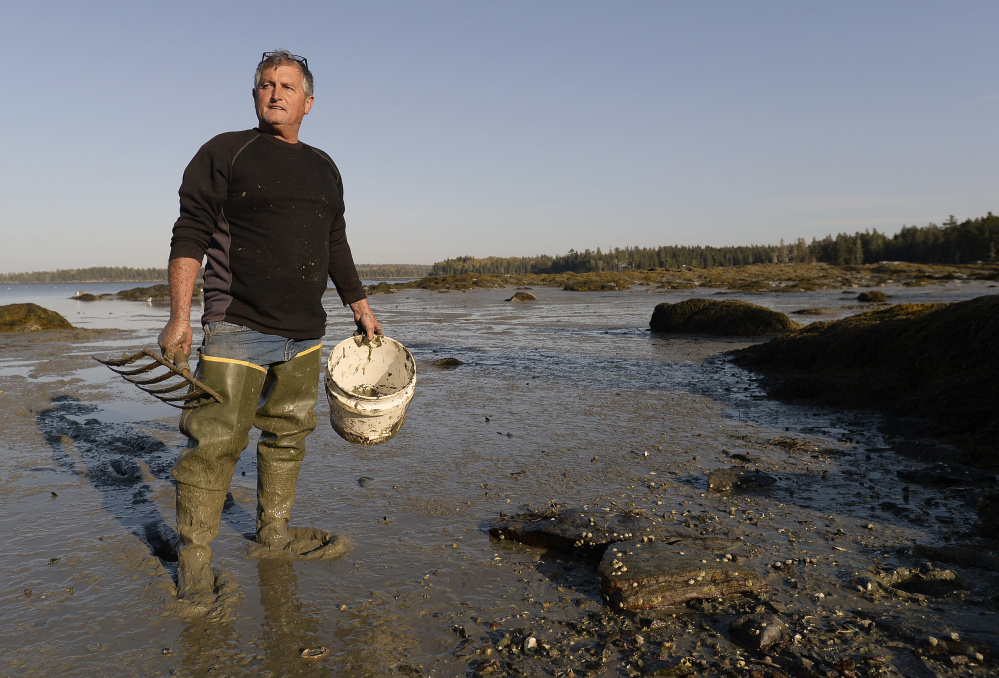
(952, 243)
(156, 275)
(380, 271)
(85, 275)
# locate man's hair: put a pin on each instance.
(283, 57)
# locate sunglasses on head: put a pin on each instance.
(300, 59)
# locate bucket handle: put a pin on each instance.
(361, 339)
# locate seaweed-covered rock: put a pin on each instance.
(726, 318)
(523, 296)
(914, 360)
(873, 296)
(380, 288)
(30, 318)
(448, 362)
(144, 293)
(153, 292)
(596, 282)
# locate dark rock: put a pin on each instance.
(653, 574)
(728, 479)
(965, 556)
(30, 318)
(523, 296)
(447, 362)
(946, 473)
(144, 293)
(725, 318)
(85, 296)
(759, 631)
(584, 533)
(154, 292)
(814, 311)
(871, 297)
(987, 524)
(914, 426)
(746, 457)
(925, 580)
(926, 450)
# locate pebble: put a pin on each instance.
(313, 652)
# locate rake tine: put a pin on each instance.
(155, 380)
(193, 395)
(118, 362)
(138, 370)
(169, 388)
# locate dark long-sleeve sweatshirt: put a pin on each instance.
(269, 215)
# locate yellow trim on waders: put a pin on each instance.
(234, 362)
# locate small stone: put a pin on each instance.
(530, 643)
(313, 652)
(932, 641)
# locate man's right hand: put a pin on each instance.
(177, 335)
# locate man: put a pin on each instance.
(268, 212)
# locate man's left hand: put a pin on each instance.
(365, 319)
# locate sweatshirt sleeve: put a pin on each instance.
(202, 193)
(342, 270)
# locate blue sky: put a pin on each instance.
(509, 128)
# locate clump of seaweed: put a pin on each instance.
(726, 318)
(931, 360)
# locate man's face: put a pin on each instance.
(280, 98)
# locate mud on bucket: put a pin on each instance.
(369, 386)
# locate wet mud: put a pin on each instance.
(867, 570)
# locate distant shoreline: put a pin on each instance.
(83, 282)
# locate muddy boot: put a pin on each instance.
(198, 514)
(218, 432)
(285, 417)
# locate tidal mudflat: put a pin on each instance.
(542, 408)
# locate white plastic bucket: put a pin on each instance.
(369, 387)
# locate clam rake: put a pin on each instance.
(157, 385)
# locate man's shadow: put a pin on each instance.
(121, 461)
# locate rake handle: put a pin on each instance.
(180, 361)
